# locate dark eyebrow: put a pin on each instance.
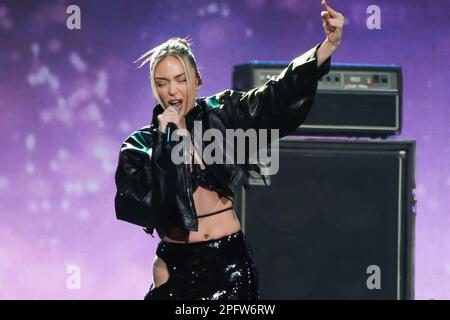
(177, 76)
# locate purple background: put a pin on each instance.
(69, 98)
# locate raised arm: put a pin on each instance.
(285, 100)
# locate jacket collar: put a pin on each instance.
(196, 112)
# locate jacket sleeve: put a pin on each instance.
(140, 181)
(283, 102)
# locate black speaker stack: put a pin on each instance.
(337, 219)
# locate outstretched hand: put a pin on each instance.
(333, 24)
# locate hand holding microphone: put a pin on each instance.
(169, 121)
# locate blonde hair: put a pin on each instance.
(180, 48)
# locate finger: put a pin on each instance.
(324, 14)
(176, 118)
(326, 21)
(329, 29)
(173, 109)
(327, 26)
(325, 17)
(329, 9)
(172, 118)
(181, 132)
(335, 23)
(170, 109)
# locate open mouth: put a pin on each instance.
(176, 103)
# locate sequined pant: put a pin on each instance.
(210, 270)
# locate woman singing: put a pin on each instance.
(202, 253)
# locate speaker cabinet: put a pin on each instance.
(361, 100)
(335, 222)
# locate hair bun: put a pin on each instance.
(183, 41)
(175, 45)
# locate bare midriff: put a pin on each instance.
(212, 227)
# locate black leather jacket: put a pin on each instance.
(152, 192)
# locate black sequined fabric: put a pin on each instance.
(219, 269)
(202, 178)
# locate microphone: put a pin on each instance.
(170, 128)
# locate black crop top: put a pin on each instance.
(202, 178)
